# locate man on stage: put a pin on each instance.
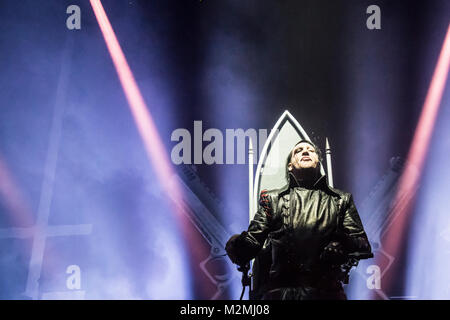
(314, 233)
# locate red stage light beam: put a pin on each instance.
(142, 117)
(150, 136)
(13, 199)
(409, 180)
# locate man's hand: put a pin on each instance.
(231, 248)
(334, 253)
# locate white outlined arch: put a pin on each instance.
(286, 118)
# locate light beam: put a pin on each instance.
(152, 141)
(416, 157)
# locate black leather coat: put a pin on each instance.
(298, 223)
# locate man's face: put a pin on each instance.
(303, 156)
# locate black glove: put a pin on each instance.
(357, 244)
(233, 247)
(334, 253)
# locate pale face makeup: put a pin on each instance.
(303, 156)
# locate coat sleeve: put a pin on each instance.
(250, 242)
(355, 238)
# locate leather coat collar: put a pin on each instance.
(320, 184)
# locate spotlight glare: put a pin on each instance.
(152, 141)
(409, 180)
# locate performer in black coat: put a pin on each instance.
(313, 232)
